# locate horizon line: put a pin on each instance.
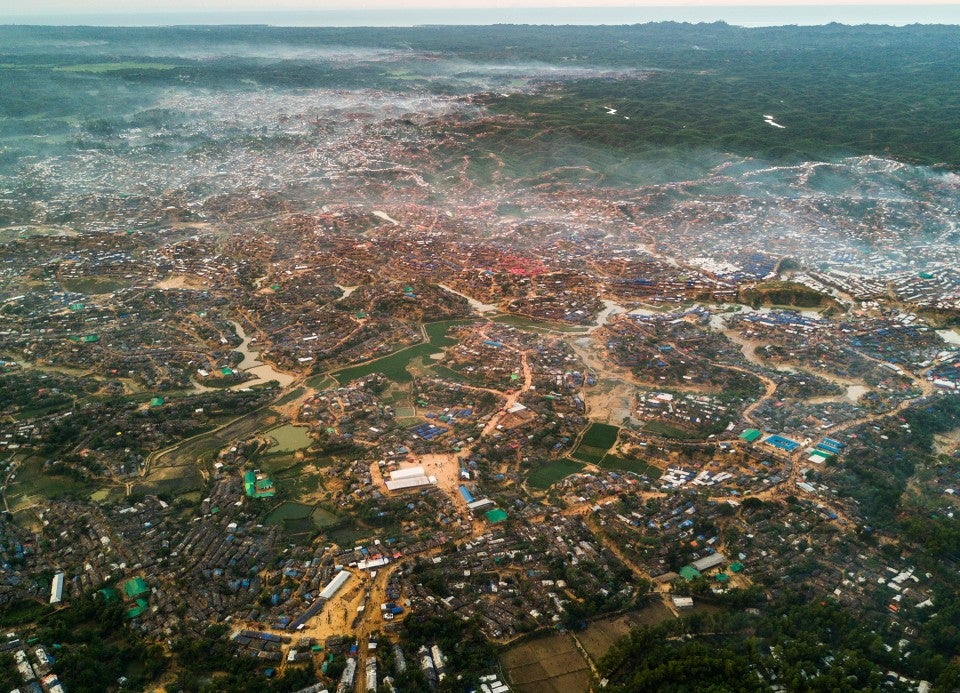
(735, 14)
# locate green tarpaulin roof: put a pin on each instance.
(135, 587)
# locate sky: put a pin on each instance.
(399, 13)
(35, 7)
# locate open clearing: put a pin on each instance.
(552, 664)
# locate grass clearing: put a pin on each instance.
(209, 443)
(451, 374)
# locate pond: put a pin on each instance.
(288, 438)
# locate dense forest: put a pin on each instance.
(802, 644)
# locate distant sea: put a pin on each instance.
(740, 15)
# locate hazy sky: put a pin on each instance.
(126, 6)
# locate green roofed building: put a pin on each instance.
(688, 573)
(156, 402)
(109, 595)
(135, 587)
(496, 515)
(736, 567)
(226, 371)
(257, 488)
(819, 457)
(76, 306)
(135, 611)
(91, 338)
(750, 435)
(722, 577)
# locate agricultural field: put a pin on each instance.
(597, 440)
(552, 664)
(552, 472)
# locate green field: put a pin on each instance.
(32, 480)
(596, 441)
(394, 366)
(552, 472)
(348, 535)
(589, 454)
(659, 428)
(321, 382)
(300, 520)
(451, 374)
(600, 435)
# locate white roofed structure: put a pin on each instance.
(338, 581)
